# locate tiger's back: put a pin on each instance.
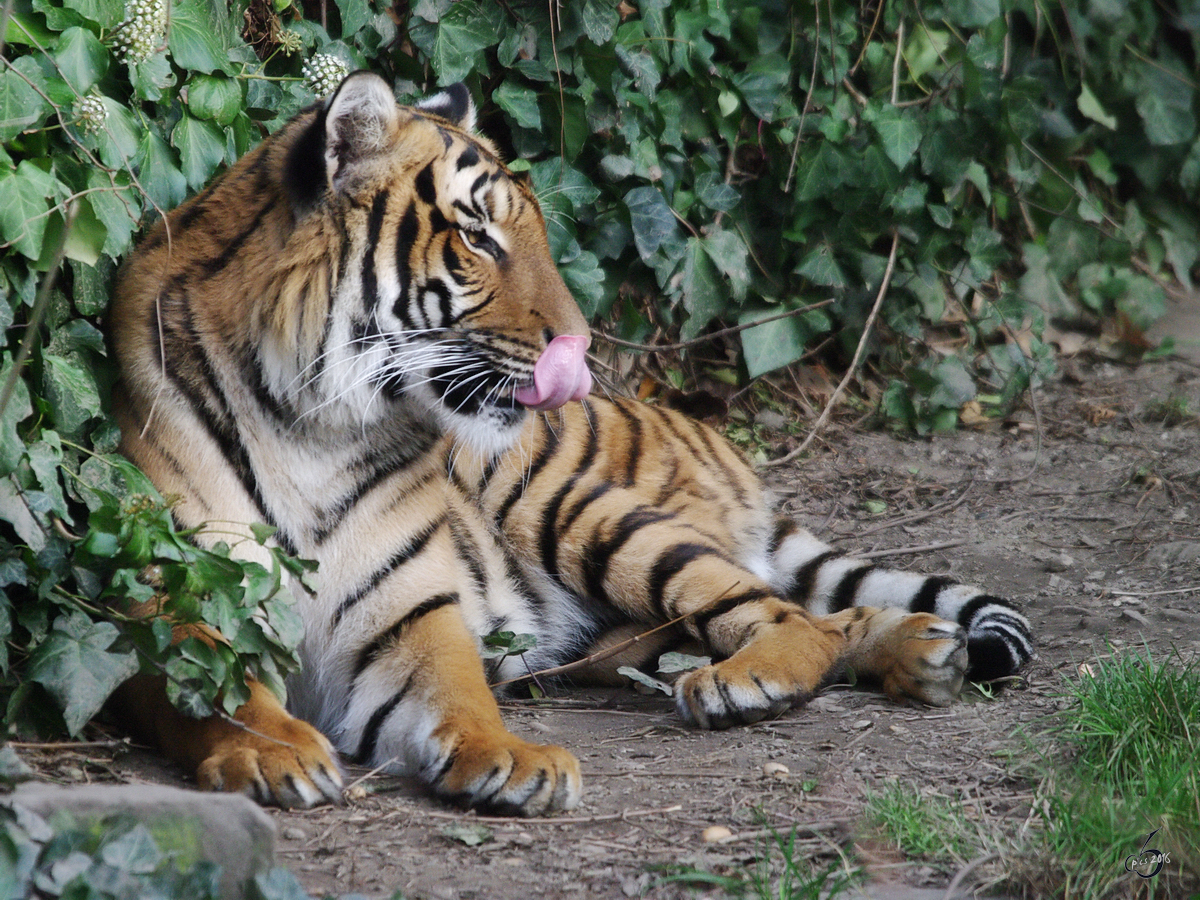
(358, 336)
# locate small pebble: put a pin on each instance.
(715, 834)
(292, 833)
(862, 723)
(357, 792)
(776, 770)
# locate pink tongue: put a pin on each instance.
(560, 375)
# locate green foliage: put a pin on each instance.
(119, 861)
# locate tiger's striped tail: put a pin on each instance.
(810, 572)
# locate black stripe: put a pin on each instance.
(806, 577)
(477, 308)
(549, 448)
(406, 236)
(576, 510)
(843, 595)
(397, 559)
(370, 283)
(596, 558)
(468, 157)
(966, 615)
(370, 735)
(469, 553)
(453, 264)
(190, 369)
(632, 442)
(784, 527)
(926, 598)
(670, 564)
(381, 641)
(549, 529)
(216, 264)
(424, 185)
(727, 604)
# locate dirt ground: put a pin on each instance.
(1095, 528)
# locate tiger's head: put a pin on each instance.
(446, 294)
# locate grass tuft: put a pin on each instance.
(1133, 735)
(928, 827)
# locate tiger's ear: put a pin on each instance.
(454, 104)
(361, 122)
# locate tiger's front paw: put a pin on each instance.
(502, 774)
(923, 658)
(293, 766)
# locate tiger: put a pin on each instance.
(357, 335)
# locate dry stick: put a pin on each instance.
(705, 338)
(858, 352)
(554, 820)
(901, 551)
(917, 517)
(602, 655)
(807, 827)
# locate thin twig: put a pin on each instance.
(803, 827)
(552, 820)
(900, 551)
(858, 352)
(705, 338)
(921, 516)
(602, 655)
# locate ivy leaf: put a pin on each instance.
(821, 267)
(134, 851)
(24, 201)
(12, 448)
(355, 15)
(105, 13)
(651, 219)
(201, 149)
(772, 344)
(82, 60)
(702, 295)
(732, 257)
(214, 97)
(20, 105)
(194, 37)
(763, 84)
(117, 208)
(600, 20)
(1164, 102)
(78, 667)
(900, 133)
(519, 102)
(642, 678)
(164, 183)
(642, 68)
(462, 32)
(72, 392)
(1089, 106)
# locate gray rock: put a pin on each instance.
(227, 829)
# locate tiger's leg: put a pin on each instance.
(437, 718)
(772, 652)
(264, 752)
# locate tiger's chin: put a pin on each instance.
(488, 431)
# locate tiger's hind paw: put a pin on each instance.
(505, 775)
(295, 769)
(922, 658)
